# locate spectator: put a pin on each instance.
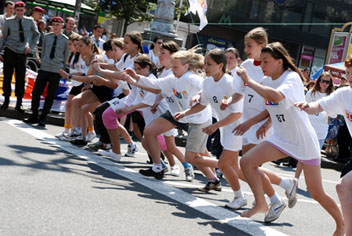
(306, 74)
(155, 50)
(9, 11)
(37, 14)
(97, 33)
(69, 26)
(54, 57)
(20, 37)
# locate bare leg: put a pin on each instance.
(155, 128)
(344, 191)
(191, 157)
(298, 170)
(315, 187)
(226, 162)
(115, 140)
(169, 157)
(171, 147)
(124, 134)
(68, 111)
(250, 162)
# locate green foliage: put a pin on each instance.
(130, 10)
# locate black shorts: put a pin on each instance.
(103, 93)
(139, 120)
(167, 116)
(76, 89)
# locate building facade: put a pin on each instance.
(303, 26)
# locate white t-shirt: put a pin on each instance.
(125, 64)
(253, 102)
(213, 93)
(154, 58)
(339, 102)
(180, 91)
(293, 133)
(164, 106)
(147, 98)
(319, 121)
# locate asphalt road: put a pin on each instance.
(49, 187)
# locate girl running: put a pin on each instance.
(180, 88)
(281, 89)
(217, 86)
(75, 62)
(255, 40)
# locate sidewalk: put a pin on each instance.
(59, 118)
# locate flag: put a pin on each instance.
(200, 7)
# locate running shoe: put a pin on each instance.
(110, 153)
(61, 135)
(131, 151)
(211, 186)
(218, 172)
(91, 136)
(150, 173)
(99, 145)
(79, 141)
(175, 170)
(70, 136)
(274, 211)
(291, 193)
(237, 203)
(189, 174)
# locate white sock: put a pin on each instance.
(238, 193)
(275, 199)
(285, 183)
(157, 167)
(78, 130)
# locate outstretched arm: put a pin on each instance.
(264, 91)
(310, 108)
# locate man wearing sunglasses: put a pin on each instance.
(20, 37)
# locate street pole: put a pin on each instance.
(77, 10)
(179, 15)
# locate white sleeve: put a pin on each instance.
(334, 103)
(238, 84)
(289, 88)
(164, 84)
(204, 99)
(123, 85)
(309, 97)
(149, 98)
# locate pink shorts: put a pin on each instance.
(110, 118)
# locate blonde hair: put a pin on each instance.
(259, 35)
(194, 60)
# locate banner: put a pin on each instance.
(61, 93)
(200, 7)
(337, 49)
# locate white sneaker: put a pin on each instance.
(291, 193)
(274, 211)
(62, 134)
(110, 153)
(189, 174)
(91, 136)
(175, 170)
(236, 203)
(132, 149)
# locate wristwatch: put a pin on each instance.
(69, 77)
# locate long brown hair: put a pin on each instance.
(277, 51)
(317, 87)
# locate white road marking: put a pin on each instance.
(221, 214)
